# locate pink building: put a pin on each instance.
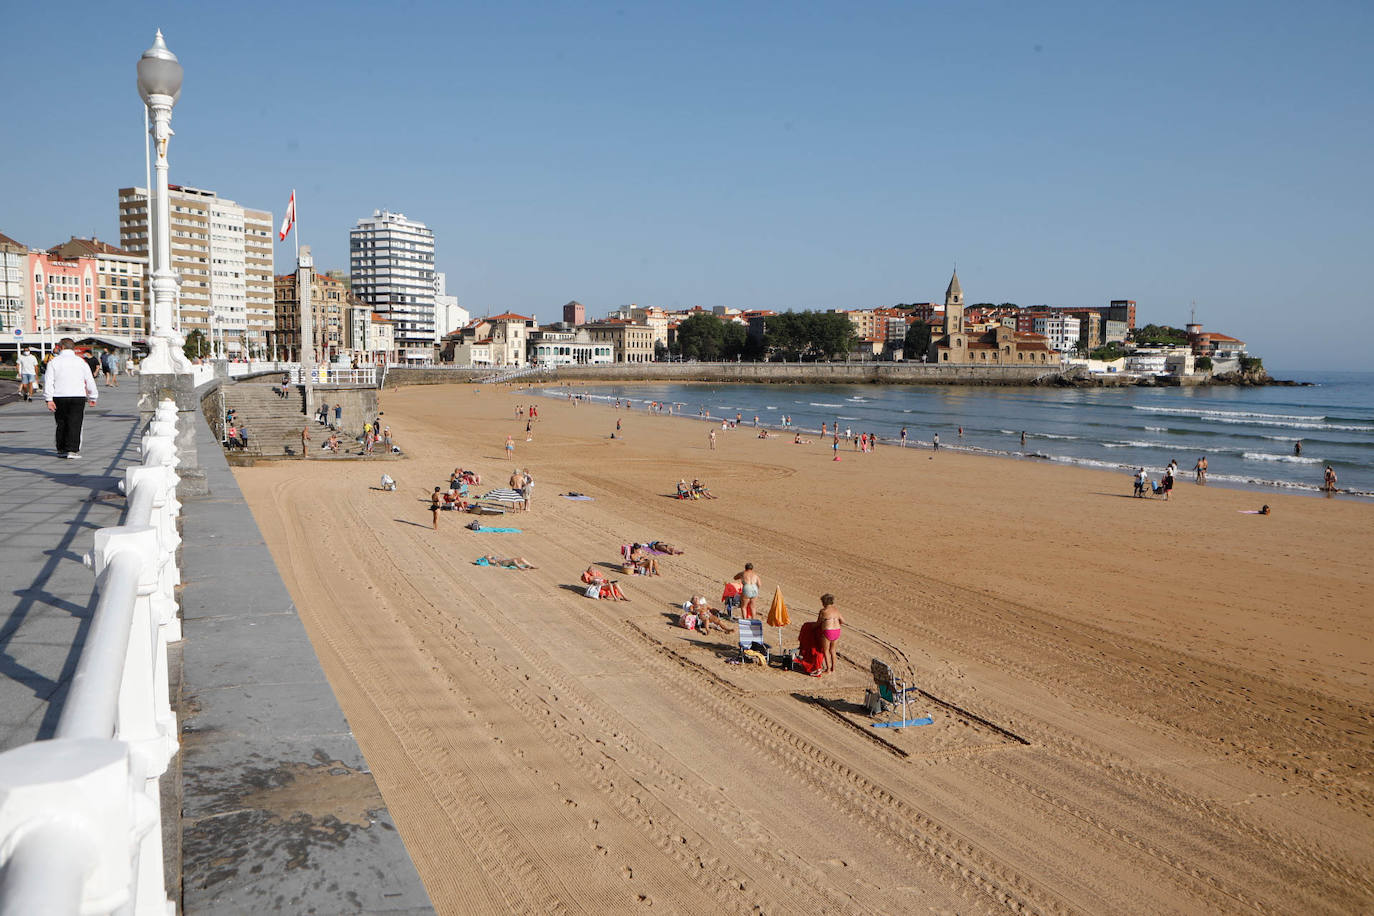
(62, 292)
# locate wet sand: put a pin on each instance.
(1138, 706)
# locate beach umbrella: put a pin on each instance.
(777, 614)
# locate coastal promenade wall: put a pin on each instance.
(752, 373)
(269, 805)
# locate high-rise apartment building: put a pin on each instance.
(392, 270)
(223, 255)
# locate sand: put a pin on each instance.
(1138, 706)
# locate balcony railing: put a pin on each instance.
(80, 813)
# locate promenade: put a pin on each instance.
(277, 808)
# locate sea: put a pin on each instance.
(1249, 435)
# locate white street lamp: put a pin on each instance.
(159, 83)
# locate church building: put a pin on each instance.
(999, 346)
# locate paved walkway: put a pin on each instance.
(279, 811)
(51, 508)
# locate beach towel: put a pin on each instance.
(810, 657)
(576, 496)
(478, 526)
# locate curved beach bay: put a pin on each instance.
(1139, 706)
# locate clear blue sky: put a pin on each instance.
(778, 155)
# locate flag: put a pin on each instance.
(289, 219)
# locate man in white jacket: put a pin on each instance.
(68, 387)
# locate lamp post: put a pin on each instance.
(159, 83)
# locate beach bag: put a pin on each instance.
(593, 590)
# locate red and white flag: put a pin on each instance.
(289, 219)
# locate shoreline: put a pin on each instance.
(1226, 481)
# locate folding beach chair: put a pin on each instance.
(751, 637)
(891, 691)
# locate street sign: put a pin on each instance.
(18, 333)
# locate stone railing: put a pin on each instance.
(80, 821)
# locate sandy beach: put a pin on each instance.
(1139, 706)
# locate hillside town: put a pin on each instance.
(391, 307)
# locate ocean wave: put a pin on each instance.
(1209, 413)
(1049, 436)
(822, 404)
(860, 400)
(1266, 456)
(1156, 429)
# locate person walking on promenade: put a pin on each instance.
(338, 416)
(68, 386)
(110, 367)
(28, 374)
(830, 621)
(749, 587)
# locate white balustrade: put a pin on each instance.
(80, 821)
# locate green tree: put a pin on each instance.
(196, 345)
(701, 337)
(1159, 335)
(1109, 352)
(809, 335)
(1203, 364)
(734, 340)
(917, 340)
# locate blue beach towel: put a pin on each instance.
(576, 496)
(485, 529)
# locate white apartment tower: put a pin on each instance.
(222, 253)
(392, 270)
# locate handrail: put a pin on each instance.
(80, 821)
(93, 699)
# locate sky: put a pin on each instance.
(790, 155)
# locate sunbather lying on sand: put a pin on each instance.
(509, 562)
(798, 440)
(663, 547)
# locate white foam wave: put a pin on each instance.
(1266, 456)
(1156, 429)
(860, 400)
(1049, 436)
(1210, 413)
(822, 404)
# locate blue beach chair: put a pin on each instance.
(891, 691)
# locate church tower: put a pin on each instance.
(954, 307)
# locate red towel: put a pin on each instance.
(811, 657)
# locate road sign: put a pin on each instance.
(18, 333)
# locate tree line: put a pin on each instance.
(805, 336)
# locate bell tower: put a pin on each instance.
(954, 307)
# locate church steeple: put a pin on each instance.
(954, 307)
(954, 292)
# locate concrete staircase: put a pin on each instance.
(274, 424)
